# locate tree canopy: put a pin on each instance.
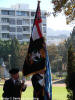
(68, 6)
(13, 53)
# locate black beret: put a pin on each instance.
(14, 71)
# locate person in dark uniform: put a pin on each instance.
(13, 86)
(38, 85)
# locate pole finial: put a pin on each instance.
(39, 1)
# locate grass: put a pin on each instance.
(1, 91)
(59, 93)
(1, 81)
(28, 93)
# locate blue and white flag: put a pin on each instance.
(48, 80)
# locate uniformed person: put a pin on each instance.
(38, 85)
(13, 86)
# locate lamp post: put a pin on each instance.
(9, 60)
(3, 65)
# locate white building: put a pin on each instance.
(17, 22)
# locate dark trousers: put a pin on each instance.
(73, 94)
(38, 95)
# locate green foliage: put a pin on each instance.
(53, 53)
(57, 56)
(70, 94)
(70, 71)
(22, 54)
(13, 53)
(70, 47)
(4, 49)
(15, 46)
(54, 77)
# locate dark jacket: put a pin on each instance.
(12, 90)
(38, 89)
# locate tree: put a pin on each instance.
(5, 49)
(68, 6)
(70, 79)
(56, 65)
(13, 53)
(52, 49)
(18, 53)
(55, 58)
(22, 54)
(14, 59)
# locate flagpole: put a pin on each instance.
(39, 1)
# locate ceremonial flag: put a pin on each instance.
(36, 56)
(48, 80)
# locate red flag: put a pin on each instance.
(37, 27)
(35, 59)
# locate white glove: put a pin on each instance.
(41, 82)
(23, 79)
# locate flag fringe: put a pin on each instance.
(35, 72)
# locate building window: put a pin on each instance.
(32, 14)
(8, 12)
(4, 12)
(19, 29)
(44, 29)
(12, 29)
(18, 13)
(11, 21)
(5, 28)
(12, 36)
(26, 21)
(44, 22)
(26, 13)
(26, 36)
(19, 36)
(22, 13)
(4, 20)
(43, 15)
(5, 35)
(11, 12)
(26, 28)
(32, 21)
(19, 22)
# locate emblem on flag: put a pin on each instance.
(36, 56)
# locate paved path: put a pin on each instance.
(54, 83)
(59, 82)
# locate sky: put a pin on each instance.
(55, 23)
